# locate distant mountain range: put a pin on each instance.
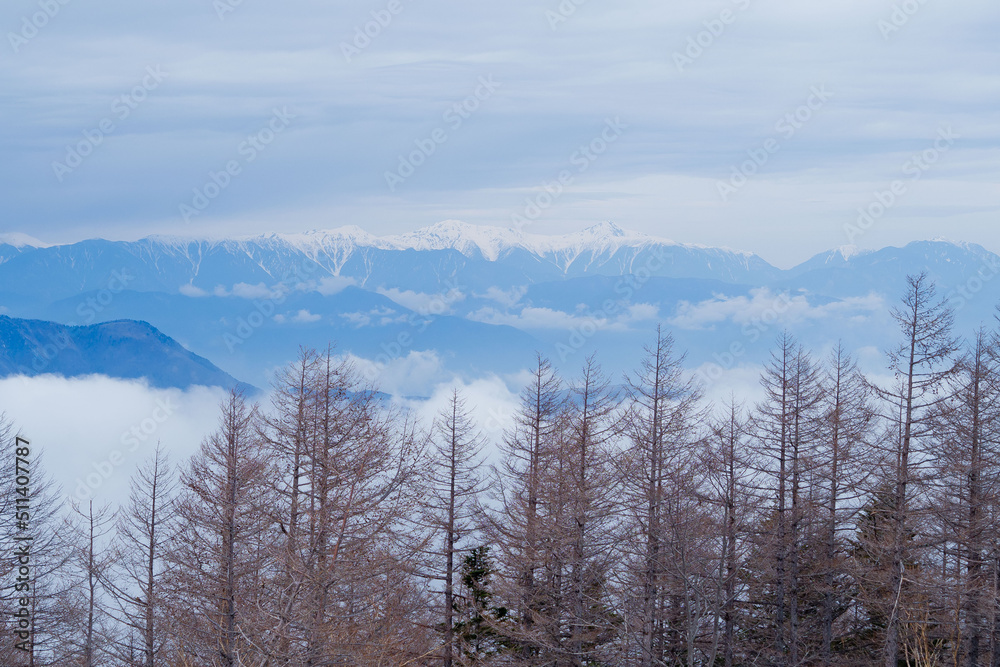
(478, 299)
(121, 349)
(479, 257)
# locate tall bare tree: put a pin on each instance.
(217, 556)
(842, 469)
(922, 363)
(91, 639)
(731, 486)
(659, 483)
(786, 436)
(51, 593)
(966, 488)
(144, 530)
(589, 490)
(516, 520)
(455, 481)
(347, 464)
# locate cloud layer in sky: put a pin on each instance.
(758, 124)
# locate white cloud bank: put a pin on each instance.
(94, 431)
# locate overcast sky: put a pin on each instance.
(693, 90)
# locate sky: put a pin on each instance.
(762, 125)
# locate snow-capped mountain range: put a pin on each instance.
(483, 257)
(471, 240)
(453, 290)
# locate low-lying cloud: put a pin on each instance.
(764, 305)
(94, 431)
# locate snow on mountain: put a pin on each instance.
(838, 257)
(319, 241)
(20, 240)
(475, 258)
(460, 236)
(468, 239)
(848, 252)
(606, 237)
(100, 280)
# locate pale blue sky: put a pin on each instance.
(344, 124)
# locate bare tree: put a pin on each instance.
(966, 484)
(217, 557)
(455, 481)
(347, 465)
(91, 639)
(922, 364)
(731, 486)
(842, 468)
(515, 518)
(786, 434)
(587, 525)
(51, 611)
(144, 530)
(659, 483)
(287, 433)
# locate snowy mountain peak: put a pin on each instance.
(964, 245)
(470, 240)
(461, 236)
(605, 229)
(19, 240)
(847, 252)
(347, 231)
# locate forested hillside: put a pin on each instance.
(840, 520)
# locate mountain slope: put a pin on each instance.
(232, 332)
(120, 349)
(950, 265)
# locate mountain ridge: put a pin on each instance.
(483, 257)
(486, 241)
(125, 349)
